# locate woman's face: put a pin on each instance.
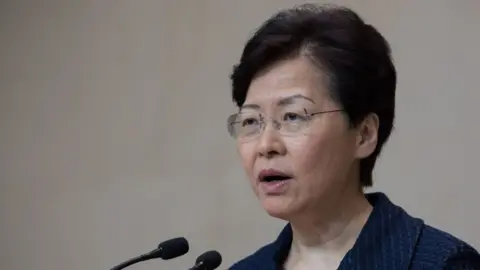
(317, 162)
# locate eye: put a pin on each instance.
(249, 122)
(293, 117)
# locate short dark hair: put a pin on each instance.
(355, 57)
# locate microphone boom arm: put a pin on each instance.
(141, 258)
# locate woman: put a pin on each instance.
(315, 88)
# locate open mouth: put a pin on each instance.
(274, 178)
(270, 175)
(273, 182)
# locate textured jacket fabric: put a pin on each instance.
(390, 240)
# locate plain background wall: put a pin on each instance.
(113, 133)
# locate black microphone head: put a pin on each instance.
(209, 260)
(173, 248)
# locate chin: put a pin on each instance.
(279, 207)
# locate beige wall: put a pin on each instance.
(113, 135)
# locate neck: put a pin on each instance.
(327, 233)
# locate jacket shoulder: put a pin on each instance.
(437, 249)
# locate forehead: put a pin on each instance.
(291, 77)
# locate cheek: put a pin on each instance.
(307, 154)
(246, 151)
(320, 158)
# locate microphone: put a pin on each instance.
(209, 260)
(166, 250)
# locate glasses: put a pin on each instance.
(245, 126)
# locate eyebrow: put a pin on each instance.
(282, 102)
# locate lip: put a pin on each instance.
(275, 188)
(271, 172)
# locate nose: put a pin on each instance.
(270, 144)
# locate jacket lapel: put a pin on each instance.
(387, 240)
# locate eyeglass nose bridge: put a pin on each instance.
(264, 120)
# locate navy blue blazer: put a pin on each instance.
(390, 240)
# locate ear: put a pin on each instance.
(367, 136)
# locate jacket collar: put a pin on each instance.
(387, 240)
